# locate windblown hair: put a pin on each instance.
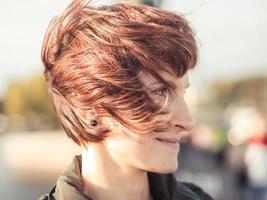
(93, 57)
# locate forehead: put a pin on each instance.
(149, 80)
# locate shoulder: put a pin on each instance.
(194, 189)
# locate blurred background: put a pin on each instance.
(227, 152)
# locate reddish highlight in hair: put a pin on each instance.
(93, 58)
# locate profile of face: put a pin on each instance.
(146, 151)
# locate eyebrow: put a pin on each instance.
(169, 82)
(160, 84)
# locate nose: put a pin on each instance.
(182, 120)
(184, 125)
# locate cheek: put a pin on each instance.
(142, 154)
(123, 148)
(130, 151)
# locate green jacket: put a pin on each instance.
(162, 186)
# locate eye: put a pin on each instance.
(161, 91)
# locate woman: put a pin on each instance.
(116, 78)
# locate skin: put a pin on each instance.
(117, 167)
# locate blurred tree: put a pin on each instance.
(221, 95)
(246, 92)
(1, 106)
(14, 101)
(28, 103)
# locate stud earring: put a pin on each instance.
(93, 122)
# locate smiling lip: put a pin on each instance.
(170, 142)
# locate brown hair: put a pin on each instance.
(93, 58)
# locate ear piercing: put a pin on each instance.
(93, 122)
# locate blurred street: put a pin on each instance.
(31, 162)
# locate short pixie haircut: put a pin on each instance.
(93, 57)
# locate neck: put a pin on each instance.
(104, 179)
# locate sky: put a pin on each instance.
(231, 36)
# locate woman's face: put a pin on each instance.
(145, 151)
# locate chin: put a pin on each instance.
(167, 168)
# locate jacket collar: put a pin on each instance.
(162, 186)
(69, 184)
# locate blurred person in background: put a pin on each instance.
(256, 158)
(247, 158)
(116, 78)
